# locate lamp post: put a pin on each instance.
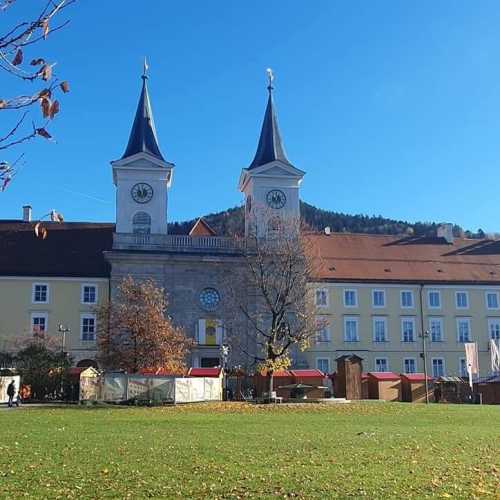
(424, 334)
(64, 330)
(224, 353)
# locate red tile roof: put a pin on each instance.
(415, 377)
(307, 373)
(383, 375)
(201, 228)
(204, 372)
(348, 257)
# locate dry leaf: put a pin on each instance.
(54, 109)
(46, 107)
(40, 231)
(45, 28)
(64, 86)
(45, 93)
(37, 62)
(42, 132)
(18, 58)
(46, 72)
(3, 103)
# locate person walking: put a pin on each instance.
(11, 392)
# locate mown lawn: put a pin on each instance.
(237, 451)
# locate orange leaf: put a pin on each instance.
(18, 58)
(45, 93)
(3, 103)
(46, 106)
(43, 133)
(45, 72)
(45, 28)
(64, 86)
(54, 109)
(36, 62)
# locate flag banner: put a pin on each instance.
(495, 356)
(472, 360)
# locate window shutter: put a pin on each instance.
(201, 332)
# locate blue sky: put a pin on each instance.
(391, 107)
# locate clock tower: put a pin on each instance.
(271, 183)
(142, 177)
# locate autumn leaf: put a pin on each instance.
(45, 28)
(46, 107)
(3, 103)
(54, 109)
(45, 93)
(18, 58)
(42, 132)
(46, 72)
(64, 86)
(40, 231)
(37, 62)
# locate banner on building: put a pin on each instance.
(495, 356)
(471, 360)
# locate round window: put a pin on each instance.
(209, 299)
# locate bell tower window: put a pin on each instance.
(141, 225)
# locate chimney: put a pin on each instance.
(27, 213)
(446, 231)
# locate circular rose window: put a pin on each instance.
(209, 299)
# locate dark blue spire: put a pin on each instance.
(270, 146)
(143, 134)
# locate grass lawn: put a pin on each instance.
(237, 451)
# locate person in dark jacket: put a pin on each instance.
(11, 392)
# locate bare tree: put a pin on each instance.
(15, 44)
(135, 333)
(271, 303)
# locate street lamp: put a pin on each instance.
(224, 353)
(64, 330)
(424, 335)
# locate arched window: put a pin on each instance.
(141, 223)
(274, 226)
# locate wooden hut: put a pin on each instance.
(413, 388)
(280, 378)
(384, 385)
(311, 377)
(452, 390)
(489, 388)
(365, 394)
(347, 380)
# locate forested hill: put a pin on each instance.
(231, 222)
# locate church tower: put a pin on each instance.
(271, 183)
(142, 176)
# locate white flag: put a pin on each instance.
(495, 356)
(471, 360)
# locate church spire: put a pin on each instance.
(143, 134)
(270, 146)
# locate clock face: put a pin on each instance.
(276, 198)
(141, 192)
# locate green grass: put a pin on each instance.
(237, 451)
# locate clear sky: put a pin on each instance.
(391, 107)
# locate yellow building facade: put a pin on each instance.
(40, 304)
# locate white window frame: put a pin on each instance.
(492, 321)
(383, 319)
(441, 322)
(386, 364)
(355, 292)
(33, 301)
(384, 300)
(493, 292)
(323, 359)
(412, 299)
(39, 314)
(327, 301)
(88, 316)
(82, 293)
(444, 366)
(464, 373)
(412, 320)
(458, 321)
(466, 299)
(414, 362)
(356, 320)
(429, 292)
(327, 330)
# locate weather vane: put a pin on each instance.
(270, 78)
(145, 69)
